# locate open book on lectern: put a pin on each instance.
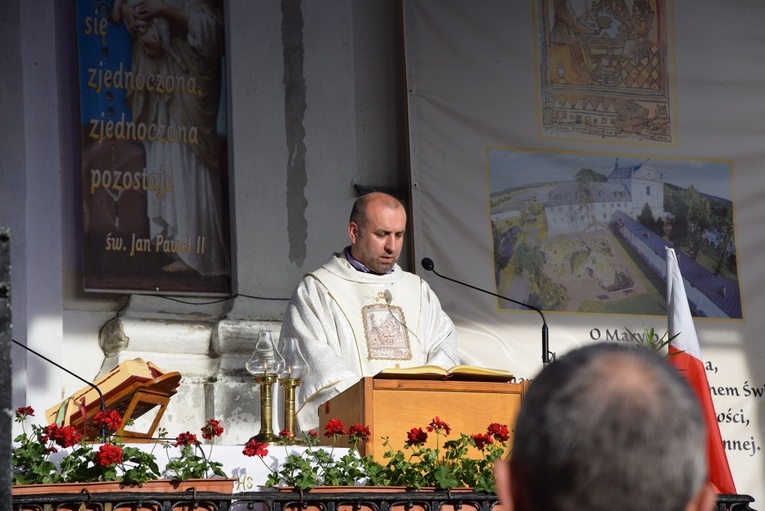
(458, 372)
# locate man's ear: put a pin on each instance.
(353, 231)
(503, 483)
(704, 500)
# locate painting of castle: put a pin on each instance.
(586, 233)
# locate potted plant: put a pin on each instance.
(416, 466)
(110, 466)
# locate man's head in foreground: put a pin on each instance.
(608, 427)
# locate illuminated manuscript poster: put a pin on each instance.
(604, 70)
(152, 110)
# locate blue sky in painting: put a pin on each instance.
(511, 168)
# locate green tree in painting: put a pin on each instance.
(591, 176)
(699, 220)
(497, 248)
(724, 246)
(691, 218)
(584, 179)
(646, 217)
(529, 261)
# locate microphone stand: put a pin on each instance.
(91, 384)
(428, 264)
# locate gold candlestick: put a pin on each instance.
(266, 382)
(264, 365)
(290, 424)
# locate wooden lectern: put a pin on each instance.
(392, 407)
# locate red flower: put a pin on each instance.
(108, 455)
(438, 426)
(481, 440)
(286, 433)
(184, 439)
(212, 429)
(313, 433)
(66, 436)
(109, 418)
(358, 432)
(69, 436)
(23, 412)
(334, 428)
(416, 436)
(498, 431)
(255, 448)
(49, 432)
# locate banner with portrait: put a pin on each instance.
(154, 166)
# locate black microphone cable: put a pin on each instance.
(427, 264)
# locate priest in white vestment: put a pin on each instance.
(361, 313)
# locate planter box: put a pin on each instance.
(157, 486)
(78, 496)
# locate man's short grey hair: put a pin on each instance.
(610, 427)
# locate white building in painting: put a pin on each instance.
(627, 189)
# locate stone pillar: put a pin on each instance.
(6, 417)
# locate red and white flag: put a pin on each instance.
(685, 355)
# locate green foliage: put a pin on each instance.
(139, 467)
(192, 463)
(111, 461)
(31, 463)
(30, 460)
(79, 467)
(415, 466)
(646, 217)
(649, 339)
(528, 260)
(590, 176)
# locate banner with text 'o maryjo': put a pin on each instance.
(154, 171)
(557, 148)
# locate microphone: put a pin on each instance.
(388, 300)
(91, 384)
(428, 264)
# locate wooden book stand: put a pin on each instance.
(133, 388)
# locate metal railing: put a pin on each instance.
(287, 501)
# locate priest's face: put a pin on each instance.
(376, 241)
